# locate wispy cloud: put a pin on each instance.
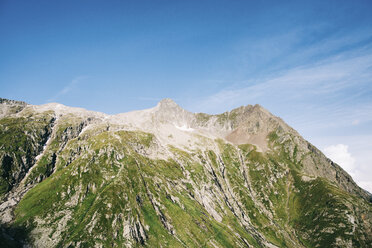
(297, 47)
(324, 78)
(67, 89)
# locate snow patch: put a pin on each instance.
(184, 128)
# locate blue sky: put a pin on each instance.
(309, 62)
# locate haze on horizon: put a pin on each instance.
(307, 62)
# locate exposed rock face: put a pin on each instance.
(166, 177)
(9, 107)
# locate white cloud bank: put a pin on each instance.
(339, 153)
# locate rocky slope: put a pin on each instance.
(166, 177)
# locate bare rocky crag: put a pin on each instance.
(166, 177)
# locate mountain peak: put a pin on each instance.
(169, 107)
(167, 103)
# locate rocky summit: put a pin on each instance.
(166, 177)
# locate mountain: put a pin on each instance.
(166, 177)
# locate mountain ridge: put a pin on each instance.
(242, 168)
(168, 111)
